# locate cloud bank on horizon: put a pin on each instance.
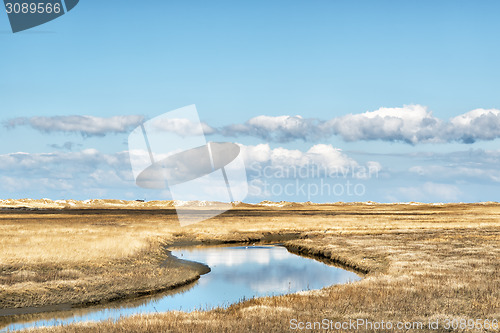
(412, 124)
(90, 173)
(276, 172)
(77, 172)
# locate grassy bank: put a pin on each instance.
(423, 262)
(55, 258)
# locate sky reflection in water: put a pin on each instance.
(237, 273)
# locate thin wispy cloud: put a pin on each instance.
(69, 173)
(277, 129)
(478, 166)
(97, 126)
(84, 125)
(430, 191)
(430, 176)
(68, 145)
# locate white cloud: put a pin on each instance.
(435, 177)
(280, 128)
(85, 125)
(64, 171)
(323, 157)
(91, 169)
(469, 117)
(478, 124)
(410, 123)
(97, 126)
(259, 153)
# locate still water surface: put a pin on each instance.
(237, 273)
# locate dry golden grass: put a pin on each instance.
(423, 262)
(49, 258)
(59, 238)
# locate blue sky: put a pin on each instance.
(322, 60)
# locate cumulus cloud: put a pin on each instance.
(478, 124)
(321, 155)
(318, 161)
(412, 124)
(85, 125)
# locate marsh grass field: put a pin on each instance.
(420, 263)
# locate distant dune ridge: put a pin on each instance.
(165, 204)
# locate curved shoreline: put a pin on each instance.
(328, 258)
(172, 261)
